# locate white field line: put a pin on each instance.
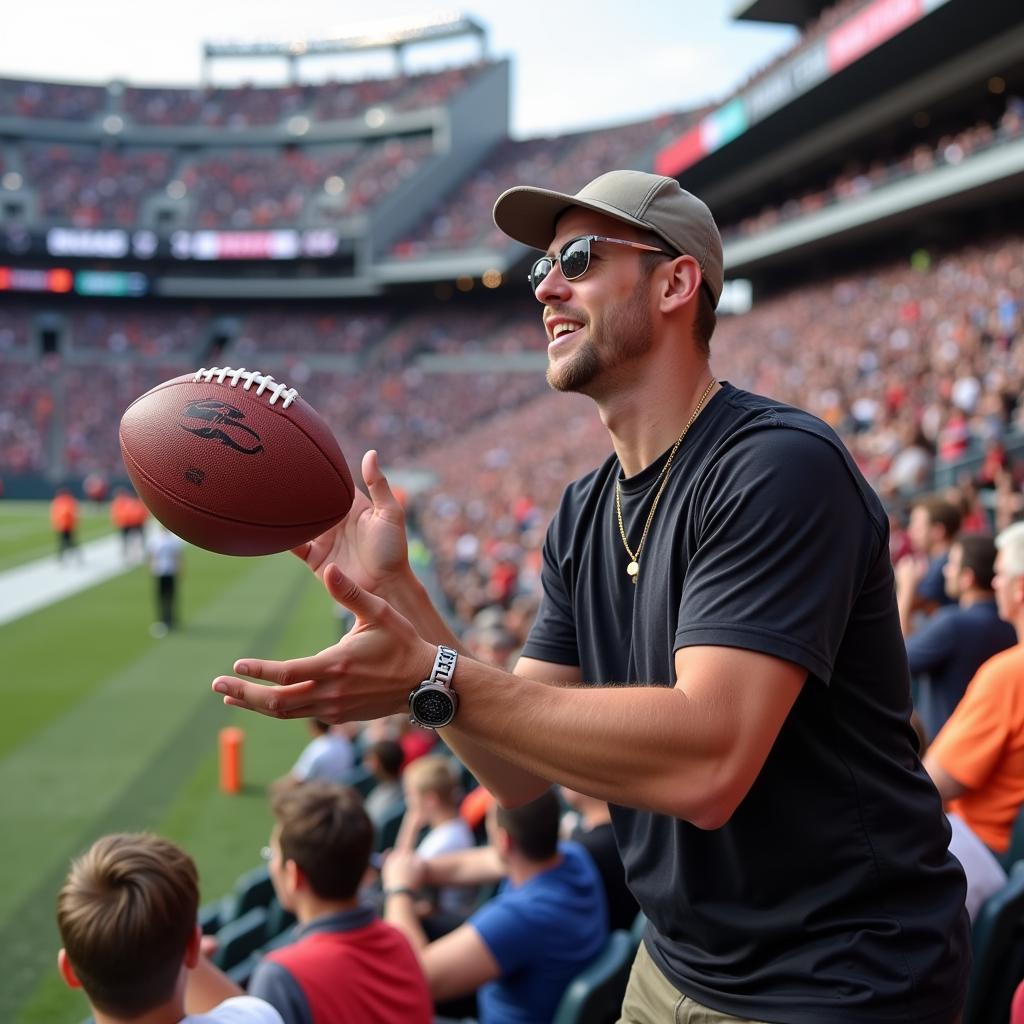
(32, 586)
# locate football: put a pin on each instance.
(235, 462)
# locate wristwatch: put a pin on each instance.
(433, 703)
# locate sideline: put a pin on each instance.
(27, 588)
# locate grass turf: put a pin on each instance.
(26, 534)
(105, 729)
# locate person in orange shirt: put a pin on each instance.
(977, 759)
(64, 520)
(128, 515)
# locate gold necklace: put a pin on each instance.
(633, 568)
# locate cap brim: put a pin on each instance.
(529, 215)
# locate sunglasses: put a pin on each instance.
(574, 258)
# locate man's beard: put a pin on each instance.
(627, 333)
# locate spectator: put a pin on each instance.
(432, 799)
(592, 829)
(977, 760)
(346, 966)
(949, 648)
(920, 584)
(383, 760)
(522, 948)
(127, 920)
(328, 755)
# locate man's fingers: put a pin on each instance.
(347, 592)
(275, 701)
(376, 483)
(282, 673)
(302, 551)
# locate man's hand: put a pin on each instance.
(369, 545)
(368, 674)
(402, 871)
(910, 571)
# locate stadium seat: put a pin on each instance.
(209, 917)
(637, 931)
(242, 972)
(240, 937)
(594, 996)
(279, 920)
(253, 889)
(998, 947)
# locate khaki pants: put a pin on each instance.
(651, 999)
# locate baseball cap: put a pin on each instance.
(644, 200)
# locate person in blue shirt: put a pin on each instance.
(522, 948)
(952, 645)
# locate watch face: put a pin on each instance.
(432, 705)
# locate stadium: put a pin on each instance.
(867, 185)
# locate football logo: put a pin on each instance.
(223, 425)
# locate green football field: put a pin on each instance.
(104, 729)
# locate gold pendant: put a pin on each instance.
(633, 570)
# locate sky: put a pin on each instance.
(575, 63)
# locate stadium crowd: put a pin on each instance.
(946, 149)
(565, 161)
(233, 107)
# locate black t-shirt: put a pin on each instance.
(830, 894)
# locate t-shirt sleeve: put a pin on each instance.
(783, 539)
(553, 634)
(305, 765)
(507, 933)
(971, 742)
(275, 984)
(932, 645)
(242, 1010)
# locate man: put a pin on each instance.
(346, 965)
(977, 760)
(328, 755)
(383, 759)
(64, 520)
(432, 810)
(127, 920)
(776, 826)
(166, 558)
(920, 585)
(949, 648)
(522, 948)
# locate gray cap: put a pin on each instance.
(644, 200)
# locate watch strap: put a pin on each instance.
(444, 666)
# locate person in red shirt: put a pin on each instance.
(346, 965)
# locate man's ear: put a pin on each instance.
(294, 876)
(192, 948)
(502, 840)
(67, 972)
(681, 285)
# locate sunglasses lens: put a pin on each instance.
(575, 258)
(539, 271)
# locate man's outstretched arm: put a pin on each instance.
(690, 750)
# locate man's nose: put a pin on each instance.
(554, 287)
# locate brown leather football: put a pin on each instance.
(235, 462)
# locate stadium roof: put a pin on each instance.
(386, 33)
(783, 12)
